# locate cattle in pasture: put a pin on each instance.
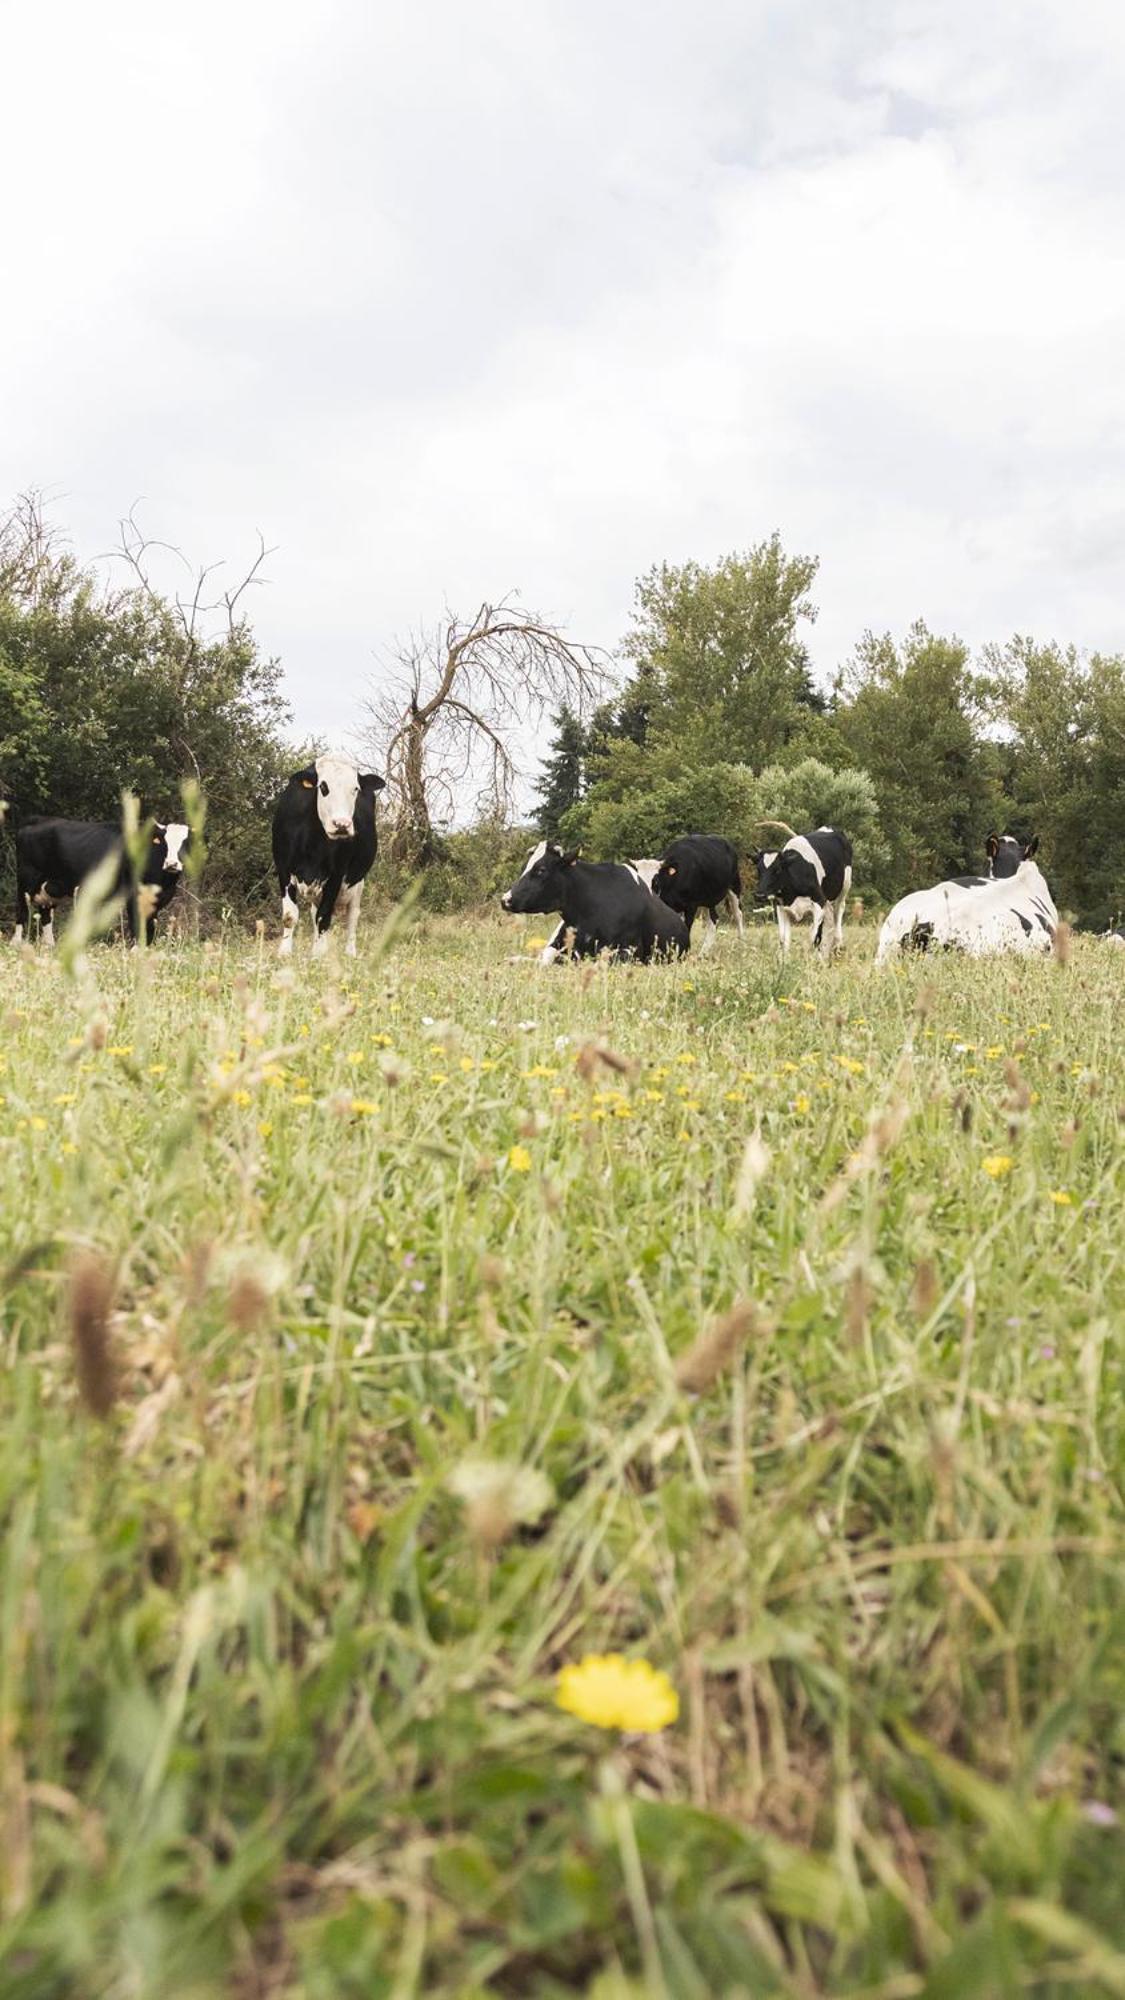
(1004, 852)
(1114, 936)
(700, 872)
(808, 877)
(1012, 913)
(55, 856)
(604, 906)
(324, 845)
(556, 945)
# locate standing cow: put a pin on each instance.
(55, 856)
(700, 872)
(809, 876)
(324, 844)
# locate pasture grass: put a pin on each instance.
(277, 1706)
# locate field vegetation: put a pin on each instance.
(379, 1343)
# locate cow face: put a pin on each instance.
(540, 886)
(1005, 853)
(337, 784)
(766, 874)
(175, 838)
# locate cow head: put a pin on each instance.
(540, 886)
(337, 784)
(1005, 853)
(767, 875)
(168, 848)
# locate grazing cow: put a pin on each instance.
(809, 876)
(324, 843)
(604, 904)
(700, 872)
(55, 856)
(1013, 913)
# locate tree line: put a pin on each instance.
(709, 719)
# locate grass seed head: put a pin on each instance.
(89, 1304)
(1060, 943)
(716, 1348)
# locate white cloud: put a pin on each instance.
(448, 301)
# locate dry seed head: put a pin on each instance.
(89, 1303)
(755, 1165)
(1060, 943)
(924, 1290)
(492, 1271)
(97, 1034)
(248, 1300)
(857, 1302)
(499, 1497)
(716, 1348)
(924, 1000)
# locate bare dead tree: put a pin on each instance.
(33, 552)
(449, 715)
(136, 549)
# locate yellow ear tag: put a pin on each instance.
(308, 784)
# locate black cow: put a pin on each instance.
(55, 856)
(324, 844)
(700, 872)
(603, 904)
(811, 874)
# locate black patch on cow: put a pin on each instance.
(1043, 922)
(1024, 922)
(603, 903)
(698, 872)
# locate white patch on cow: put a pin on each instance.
(337, 792)
(769, 859)
(320, 944)
(350, 898)
(310, 892)
(799, 845)
(783, 928)
(290, 918)
(1014, 914)
(646, 871)
(175, 840)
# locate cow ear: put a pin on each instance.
(306, 777)
(756, 855)
(568, 860)
(992, 846)
(370, 782)
(1032, 847)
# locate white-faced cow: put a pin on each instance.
(925, 915)
(55, 856)
(1012, 913)
(324, 844)
(604, 906)
(700, 872)
(808, 877)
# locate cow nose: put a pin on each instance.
(341, 826)
(506, 900)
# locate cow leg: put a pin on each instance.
(708, 944)
(784, 929)
(47, 930)
(735, 909)
(838, 910)
(350, 896)
(555, 945)
(290, 918)
(326, 904)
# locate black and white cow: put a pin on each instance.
(1011, 913)
(324, 844)
(700, 872)
(604, 905)
(55, 856)
(809, 876)
(926, 914)
(1004, 854)
(556, 945)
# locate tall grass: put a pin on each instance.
(802, 1291)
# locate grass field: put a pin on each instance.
(305, 1272)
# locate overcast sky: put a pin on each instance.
(450, 300)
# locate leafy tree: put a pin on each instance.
(912, 716)
(563, 773)
(811, 794)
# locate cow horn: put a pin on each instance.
(785, 828)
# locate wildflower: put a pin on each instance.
(996, 1050)
(735, 1096)
(789, 1069)
(68, 1146)
(686, 1058)
(120, 1049)
(997, 1165)
(466, 1063)
(489, 1063)
(534, 943)
(1061, 1198)
(1098, 1812)
(653, 1096)
(438, 1076)
(364, 1107)
(380, 1041)
(659, 1073)
(243, 1098)
(540, 1069)
(802, 1103)
(615, 1693)
(849, 1063)
(301, 1097)
(67, 1097)
(499, 1497)
(519, 1159)
(158, 1069)
(354, 1057)
(38, 1124)
(265, 1127)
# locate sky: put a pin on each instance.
(450, 301)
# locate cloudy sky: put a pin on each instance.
(450, 300)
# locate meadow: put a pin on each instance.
(381, 1338)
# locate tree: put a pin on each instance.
(912, 716)
(719, 665)
(563, 773)
(451, 713)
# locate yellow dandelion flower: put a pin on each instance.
(658, 1073)
(466, 1063)
(67, 1097)
(380, 1041)
(808, 1006)
(622, 1111)
(686, 1057)
(488, 1063)
(788, 1069)
(68, 1146)
(558, 1092)
(1061, 1198)
(519, 1159)
(802, 1103)
(748, 1075)
(158, 1069)
(120, 1049)
(684, 1136)
(301, 1097)
(438, 1076)
(735, 1096)
(540, 1069)
(849, 1063)
(690, 1104)
(653, 1096)
(364, 1107)
(615, 1693)
(243, 1097)
(997, 1165)
(997, 1049)
(304, 1028)
(265, 1127)
(596, 1116)
(38, 1124)
(354, 1058)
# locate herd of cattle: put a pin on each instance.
(325, 842)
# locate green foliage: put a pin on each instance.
(811, 794)
(277, 1718)
(642, 821)
(562, 776)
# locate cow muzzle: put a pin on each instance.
(341, 829)
(506, 900)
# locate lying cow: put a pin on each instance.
(1014, 913)
(556, 945)
(324, 844)
(700, 872)
(809, 876)
(1004, 854)
(915, 912)
(55, 856)
(604, 905)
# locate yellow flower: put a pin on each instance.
(158, 1069)
(364, 1107)
(998, 1164)
(996, 1050)
(301, 1097)
(380, 1041)
(519, 1159)
(687, 1057)
(354, 1057)
(690, 1104)
(242, 1097)
(67, 1097)
(38, 1124)
(534, 944)
(802, 1103)
(653, 1096)
(849, 1063)
(488, 1063)
(540, 1069)
(1061, 1198)
(615, 1693)
(788, 1069)
(658, 1073)
(264, 1128)
(622, 1111)
(735, 1096)
(438, 1076)
(68, 1146)
(466, 1063)
(120, 1049)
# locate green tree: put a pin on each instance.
(563, 772)
(912, 716)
